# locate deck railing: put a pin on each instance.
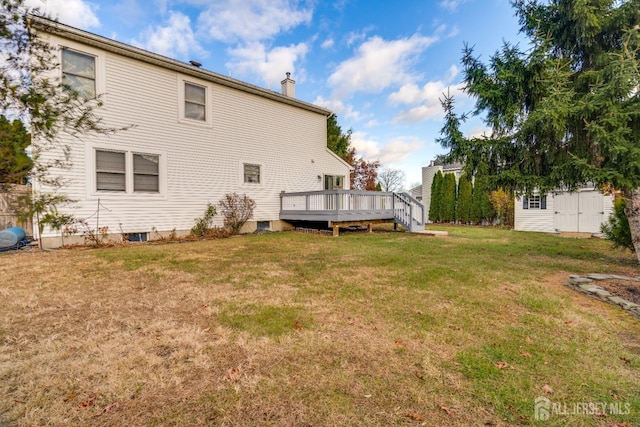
(351, 205)
(337, 200)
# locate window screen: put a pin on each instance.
(194, 102)
(110, 171)
(252, 173)
(79, 72)
(146, 173)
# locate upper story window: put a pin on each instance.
(195, 104)
(79, 72)
(251, 173)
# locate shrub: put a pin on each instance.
(236, 210)
(203, 226)
(617, 228)
(503, 205)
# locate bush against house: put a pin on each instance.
(236, 210)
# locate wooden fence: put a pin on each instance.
(9, 196)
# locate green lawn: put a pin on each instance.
(294, 329)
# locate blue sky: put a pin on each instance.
(381, 66)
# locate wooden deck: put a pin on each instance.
(347, 207)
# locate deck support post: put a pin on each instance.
(370, 227)
(336, 230)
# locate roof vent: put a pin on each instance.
(195, 64)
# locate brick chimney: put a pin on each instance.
(288, 86)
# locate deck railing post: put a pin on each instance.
(307, 203)
(410, 216)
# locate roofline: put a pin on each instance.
(56, 28)
(344, 162)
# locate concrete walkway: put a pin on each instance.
(432, 232)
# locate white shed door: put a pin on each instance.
(591, 211)
(566, 211)
(579, 212)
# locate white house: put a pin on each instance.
(428, 174)
(196, 136)
(581, 211)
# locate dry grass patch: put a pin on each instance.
(294, 329)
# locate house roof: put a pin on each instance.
(109, 45)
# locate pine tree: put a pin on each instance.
(465, 200)
(436, 197)
(448, 207)
(566, 111)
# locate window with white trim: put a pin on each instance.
(251, 173)
(125, 172)
(111, 173)
(195, 102)
(333, 182)
(79, 72)
(146, 173)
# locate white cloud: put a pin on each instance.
(76, 13)
(378, 64)
(251, 20)
(428, 96)
(399, 149)
(367, 148)
(328, 43)
(479, 132)
(451, 4)
(338, 107)
(270, 65)
(356, 36)
(394, 152)
(176, 39)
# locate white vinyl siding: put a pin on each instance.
(111, 171)
(79, 72)
(199, 162)
(563, 212)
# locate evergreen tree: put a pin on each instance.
(481, 209)
(465, 200)
(566, 111)
(337, 141)
(436, 197)
(448, 206)
(15, 164)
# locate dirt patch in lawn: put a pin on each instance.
(625, 289)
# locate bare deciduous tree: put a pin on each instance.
(391, 180)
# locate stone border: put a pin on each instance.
(587, 285)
